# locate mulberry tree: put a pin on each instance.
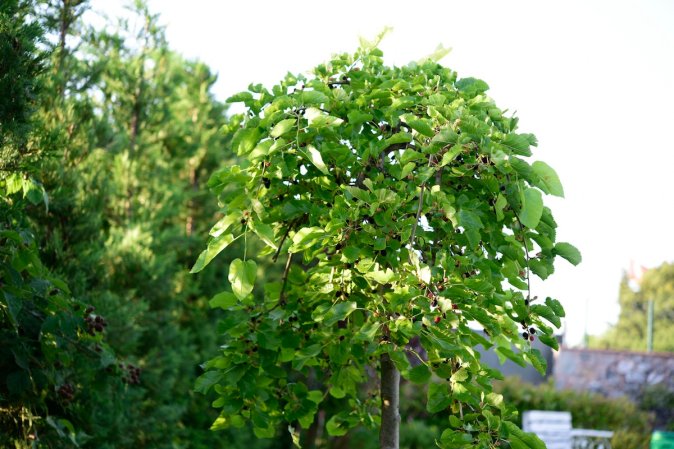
(400, 204)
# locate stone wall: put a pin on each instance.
(612, 373)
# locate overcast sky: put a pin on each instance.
(594, 80)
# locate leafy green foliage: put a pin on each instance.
(53, 347)
(19, 84)
(400, 202)
(131, 130)
(660, 401)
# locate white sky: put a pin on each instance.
(594, 80)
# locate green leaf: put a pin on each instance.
(469, 219)
(264, 231)
(400, 360)
(539, 268)
(492, 421)
(317, 118)
(242, 277)
(450, 155)
(313, 97)
(283, 127)
(224, 224)
(455, 439)
(419, 125)
(224, 300)
(337, 392)
(500, 204)
(335, 428)
(34, 192)
(338, 312)
(538, 361)
(455, 422)
(547, 313)
(368, 331)
(399, 138)
(438, 397)
(316, 159)
(315, 396)
(568, 252)
(305, 238)
(472, 86)
(244, 140)
(240, 97)
(381, 276)
(556, 306)
(549, 178)
(532, 208)
(520, 143)
(357, 117)
(549, 340)
(14, 306)
(517, 358)
(529, 439)
(420, 374)
(460, 375)
(13, 183)
(215, 246)
(207, 380)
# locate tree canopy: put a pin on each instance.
(401, 204)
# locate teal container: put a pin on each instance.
(662, 440)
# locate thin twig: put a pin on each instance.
(285, 277)
(283, 239)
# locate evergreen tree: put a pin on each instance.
(52, 348)
(136, 132)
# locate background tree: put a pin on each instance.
(52, 344)
(127, 133)
(400, 204)
(134, 126)
(630, 332)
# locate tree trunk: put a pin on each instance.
(389, 433)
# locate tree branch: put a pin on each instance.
(286, 270)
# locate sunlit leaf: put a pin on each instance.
(549, 178)
(244, 140)
(283, 127)
(316, 158)
(242, 277)
(215, 246)
(532, 208)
